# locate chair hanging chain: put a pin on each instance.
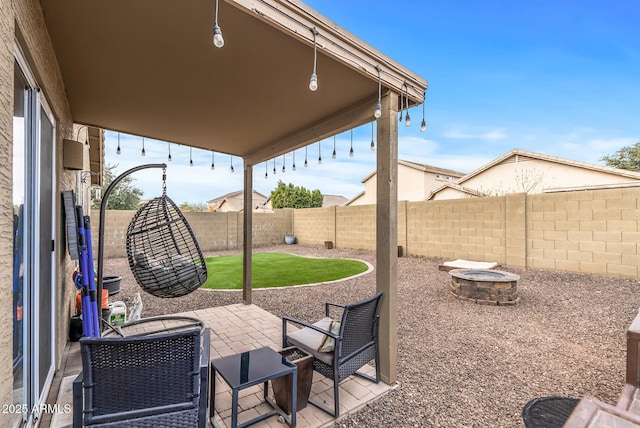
(164, 181)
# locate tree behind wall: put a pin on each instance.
(290, 196)
(125, 196)
(625, 158)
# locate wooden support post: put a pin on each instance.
(247, 236)
(387, 236)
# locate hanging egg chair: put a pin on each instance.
(163, 253)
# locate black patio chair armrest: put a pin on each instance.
(77, 401)
(205, 360)
(285, 320)
(328, 305)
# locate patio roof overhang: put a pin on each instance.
(149, 68)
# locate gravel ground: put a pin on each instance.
(462, 364)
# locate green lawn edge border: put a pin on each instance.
(369, 270)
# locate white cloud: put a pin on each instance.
(491, 135)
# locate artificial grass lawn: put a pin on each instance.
(278, 270)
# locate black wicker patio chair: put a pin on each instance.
(340, 348)
(149, 381)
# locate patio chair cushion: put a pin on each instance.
(310, 340)
(328, 343)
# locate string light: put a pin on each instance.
(283, 162)
(169, 157)
(190, 157)
(333, 155)
(143, 153)
(407, 122)
(351, 150)
(274, 166)
(118, 151)
(293, 167)
(218, 40)
(266, 171)
(313, 82)
(378, 112)
(372, 146)
(423, 125)
(401, 102)
(319, 154)
(306, 164)
(213, 163)
(232, 168)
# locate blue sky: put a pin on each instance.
(554, 77)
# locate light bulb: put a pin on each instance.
(283, 169)
(213, 166)
(266, 175)
(143, 153)
(313, 83)
(306, 164)
(378, 111)
(319, 161)
(190, 162)
(351, 152)
(118, 151)
(218, 40)
(274, 170)
(423, 126)
(293, 167)
(372, 146)
(333, 155)
(233, 169)
(169, 158)
(407, 122)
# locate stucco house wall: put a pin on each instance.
(520, 171)
(535, 175)
(415, 183)
(22, 22)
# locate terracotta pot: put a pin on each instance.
(282, 385)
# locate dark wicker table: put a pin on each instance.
(251, 368)
(548, 412)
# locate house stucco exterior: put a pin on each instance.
(520, 171)
(22, 28)
(415, 182)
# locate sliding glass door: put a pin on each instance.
(33, 208)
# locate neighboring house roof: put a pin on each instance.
(235, 200)
(456, 187)
(355, 198)
(532, 155)
(333, 200)
(420, 167)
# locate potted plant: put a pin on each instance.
(289, 238)
(282, 385)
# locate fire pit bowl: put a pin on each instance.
(489, 287)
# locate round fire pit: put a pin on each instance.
(489, 287)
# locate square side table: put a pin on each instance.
(251, 368)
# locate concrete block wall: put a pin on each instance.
(591, 231)
(356, 227)
(214, 231)
(314, 226)
(472, 229)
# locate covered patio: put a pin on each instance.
(239, 328)
(150, 68)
